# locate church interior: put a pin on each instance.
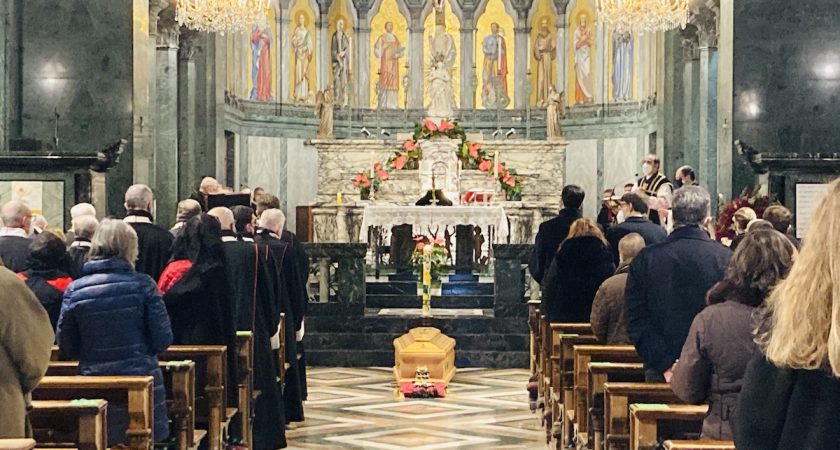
(413, 151)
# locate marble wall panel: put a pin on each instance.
(620, 162)
(582, 170)
(52, 201)
(301, 176)
(266, 163)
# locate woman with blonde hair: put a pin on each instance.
(742, 217)
(791, 392)
(583, 261)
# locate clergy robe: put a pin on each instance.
(78, 253)
(256, 309)
(153, 242)
(302, 266)
(293, 299)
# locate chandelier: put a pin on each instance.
(222, 16)
(642, 16)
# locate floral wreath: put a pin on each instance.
(725, 226)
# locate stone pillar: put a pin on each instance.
(560, 42)
(284, 70)
(600, 93)
(187, 97)
(707, 34)
(166, 119)
(362, 57)
(510, 280)
(521, 53)
(145, 96)
(323, 60)
(415, 61)
(724, 96)
(469, 74)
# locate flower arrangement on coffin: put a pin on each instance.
(440, 256)
(725, 227)
(367, 181)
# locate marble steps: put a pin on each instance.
(451, 278)
(442, 301)
(467, 288)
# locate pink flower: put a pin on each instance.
(377, 166)
(430, 125)
(509, 180)
(399, 163)
(474, 147)
(382, 175)
(500, 168)
(439, 241)
(445, 126)
(410, 145)
(485, 165)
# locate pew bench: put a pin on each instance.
(617, 400)
(245, 384)
(17, 444)
(70, 423)
(703, 444)
(600, 373)
(562, 387)
(135, 391)
(647, 421)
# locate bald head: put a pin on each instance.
(629, 246)
(16, 214)
(139, 197)
(187, 209)
(273, 220)
(82, 209)
(225, 217)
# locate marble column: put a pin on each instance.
(7, 23)
(724, 98)
(521, 53)
(600, 65)
(361, 61)
(187, 97)
(415, 63)
(560, 42)
(145, 94)
(323, 60)
(166, 119)
(285, 69)
(469, 77)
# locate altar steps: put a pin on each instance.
(438, 301)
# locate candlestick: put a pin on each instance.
(427, 279)
(338, 199)
(529, 53)
(372, 157)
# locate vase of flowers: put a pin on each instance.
(436, 247)
(368, 182)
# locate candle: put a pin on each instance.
(338, 199)
(427, 279)
(528, 52)
(496, 164)
(372, 157)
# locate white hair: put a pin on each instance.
(85, 226)
(225, 216)
(14, 214)
(273, 220)
(114, 239)
(39, 222)
(139, 197)
(82, 209)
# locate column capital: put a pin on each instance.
(187, 42)
(522, 7)
(560, 6)
(706, 19)
(155, 8)
(415, 12)
(468, 7)
(167, 30)
(362, 9)
(324, 8)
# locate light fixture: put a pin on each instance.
(221, 16)
(642, 16)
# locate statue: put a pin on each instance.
(554, 112)
(441, 97)
(324, 110)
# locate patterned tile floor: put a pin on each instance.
(360, 408)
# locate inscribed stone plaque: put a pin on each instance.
(808, 197)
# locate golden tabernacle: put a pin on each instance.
(424, 346)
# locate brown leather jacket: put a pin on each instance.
(608, 321)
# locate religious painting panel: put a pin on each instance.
(261, 59)
(302, 53)
(581, 54)
(622, 49)
(442, 58)
(493, 56)
(389, 52)
(342, 53)
(542, 56)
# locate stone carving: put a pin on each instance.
(554, 112)
(324, 110)
(441, 97)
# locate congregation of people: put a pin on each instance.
(749, 326)
(114, 294)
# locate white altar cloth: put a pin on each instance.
(424, 217)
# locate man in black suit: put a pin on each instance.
(554, 231)
(154, 242)
(634, 207)
(14, 236)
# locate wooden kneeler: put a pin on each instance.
(75, 423)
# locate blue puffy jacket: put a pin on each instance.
(114, 322)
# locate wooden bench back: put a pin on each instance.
(70, 423)
(617, 400)
(652, 422)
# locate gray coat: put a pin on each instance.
(713, 362)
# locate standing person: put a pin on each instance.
(608, 318)
(781, 218)
(494, 90)
(584, 41)
(244, 226)
(266, 201)
(26, 340)
(78, 210)
(46, 276)
(187, 209)
(14, 235)
(583, 262)
(208, 186)
(552, 232)
(114, 322)
(668, 282)
(656, 186)
(154, 242)
(720, 341)
(634, 208)
(741, 219)
(685, 176)
(84, 228)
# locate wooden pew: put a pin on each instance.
(583, 355)
(245, 385)
(179, 382)
(562, 394)
(617, 400)
(210, 400)
(645, 421)
(135, 391)
(599, 374)
(703, 444)
(17, 444)
(71, 423)
(551, 347)
(533, 325)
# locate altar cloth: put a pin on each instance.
(423, 217)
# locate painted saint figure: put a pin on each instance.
(544, 53)
(494, 93)
(340, 51)
(261, 63)
(302, 47)
(389, 52)
(584, 86)
(622, 76)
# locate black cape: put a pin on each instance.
(257, 309)
(14, 252)
(302, 266)
(154, 244)
(78, 255)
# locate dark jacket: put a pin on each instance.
(651, 233)
(14, 252)
(114, 322)
(608, 319)
(784, 408)
(153, 242)
(551, 234)
(666, 288)
(713, 362)
(581, 265)
(78, 252)
(49, 287)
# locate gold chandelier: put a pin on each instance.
(642, 16)
(220, 16)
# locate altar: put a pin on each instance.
(423, 218)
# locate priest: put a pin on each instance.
(288, 280)
(256, 309)
(153, 242)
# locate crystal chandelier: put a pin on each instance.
(642, 16)
(222, 16)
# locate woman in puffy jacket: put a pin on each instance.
(114, 322)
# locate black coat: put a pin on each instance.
(14, 252)
(783, 408)
(578, 269)
(651, 233)
(551, 234)
(666, 288)
(154, 244)
(49, 287)
(78, 253)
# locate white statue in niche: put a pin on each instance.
(442, 46)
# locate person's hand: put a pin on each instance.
(669, 374)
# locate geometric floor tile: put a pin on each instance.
(327, 396)
(417, 409)
(411, 438)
